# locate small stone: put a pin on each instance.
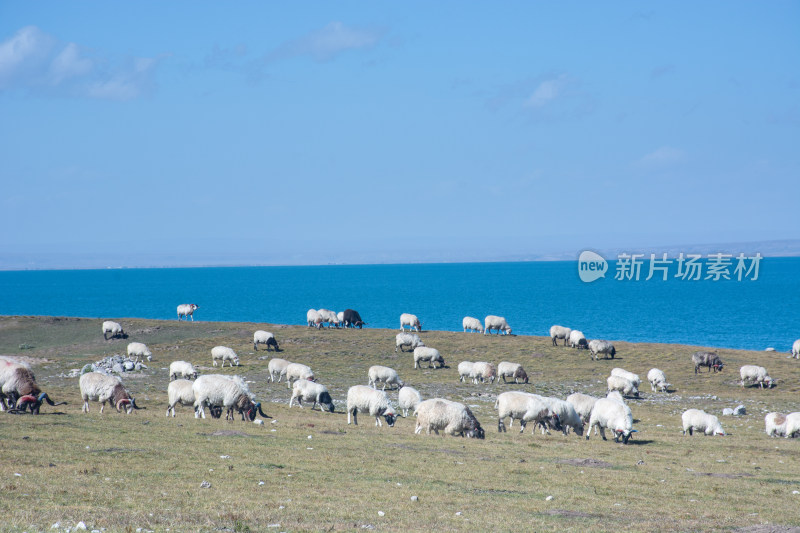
(18, 475)
(381, 513)
(309, 436)
(56, 525)
(640, 462)
(770, 349)
(458, 513)
(129, 365)
(224, 456)
(727, 411)
(260, 482)
(796, 492)
(549, 498)
(205, 485)
(81, 526)
(258, 422)
(416, 498)
(739, 411)
(137, 366)
(118, 368)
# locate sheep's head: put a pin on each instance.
(326, 401)
(521, 374)
(579, 430)
(390, 416)
(624, 434)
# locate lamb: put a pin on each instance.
(796, 349)
(407, 319)
(559, 332)
(277, 367)
(224, 353)
(465, 370)
(187, 311)
(697, 420)
(756, 374)
(709, 359)
(18, 385)
(583, 404)
(330, 317)
(104, 388)
(451, 417)
(523, 407)
(630, 376)
(472, 324)
(182, 369)
(408, 399)
(229, 392)
(407, 339)
(113, 328)
(597, 347)
(139, 350)
(297, 371)
(623, 385)
(179, 392)
(483, 371)
(367, 400)
(497, 323)
(577, 339)
(775, 424)
(431, 355)
(314, 318)
(309, 391)
(613, 415)
(351, 319)
(657, 380)
(388, 375)
(266, 338)
(512, 370)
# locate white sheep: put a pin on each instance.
(385, 374)
(229, 392)
(623, 385)
(613, 415)
(577, 339)
(630, 376)
(796, 349)
(407, 319)
(296, 371)
(559, 332)
(497, 323)
(616, 396)
(483, 371)
(453, 418)
(597, 347)
(187, 310)
(314, 318)
(340, 317)
(523, 407)
(266, 338)
(472, 324)
(182, 369)
(697, 420)
(775, 424)
(756, 374)
(330, 317)
(411, 340)
(583, 404)
(657, 379)
(104, 388)
(465, 370)
(277, 368)
(179, 392)
(224, 353)
(564, 412)
(361, 398)
(431, 355)
(511, 370)
(309, 391)
(792, 424)
(113, 328)
(408, 399)
(139, 350)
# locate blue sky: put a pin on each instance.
(265, 132)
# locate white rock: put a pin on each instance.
(260, 482)
(58, 524)
(381, 513)
(415, 498)
(259, 422)
(80, 525)
(549, 498)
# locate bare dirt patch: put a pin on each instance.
(570, 514)
(725, 476)
(768, 528)
(590, 463)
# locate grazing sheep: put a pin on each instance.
(564, 412)
(113, 328)
(796, 349)
(497, 323)
(657, 379)
(559, 332)
(229, 392)
(583, 404)
(577, 339)
(104, 388)
(314, 318)
(8, 373)
(309, 391)
(224, 353)
(187, 311)
(431, 355)
(792, 425)
(709, 359)
(472, 324)
(623, 385)
(266, 338)
(597, 347)
(407, 339)
(465, 370)
(18, 386)
(330, 317)
(697, 420)
(179, 392)
(523, 407)
(775, 424)
(511, 370)
(351, 319)
(297, 371)
(383, 373)
(613, 415)
(408, 398)
(277, 367)
(182, 369)
(630, 376)
(756, 374)
(483, 371)
(139, 350)
(340, 317)
(367, 400)
(452, 417)
(407, 319)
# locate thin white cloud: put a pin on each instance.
(547, 91)
(23, 53)
(327, 43)
(68, 64)
(128, 83)
(662, 156)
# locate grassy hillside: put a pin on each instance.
(308, 470)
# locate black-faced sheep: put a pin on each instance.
(709, 359)
(361, 398)
(266, 338)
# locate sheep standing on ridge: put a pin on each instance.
(407, 319)
(453, 418)
(351, 319)
(277, 368)
(465, 370)
(187, 311)
(657, 379)
(577, 339)
(297, 371)
(613, 415)
(266, 338)
(559, 332)
(361, 398)
(314, 319)
(756, 374)
(139, 350)
(408, 399)
(182, 369)
(385, 374)
(483, 371)
(431, 355)
(179, 392)
(697, 420)
(309, 391)
(472, 324)
(330, 317)
(597, 347)
(497, 323)
(709, 359)
(113, 328)
(104, 388)
(224, 353)
(523, 407)
(411, 340)
(511, 370)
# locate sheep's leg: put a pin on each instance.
(378, 421)
(602, 431)
(102, 406)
